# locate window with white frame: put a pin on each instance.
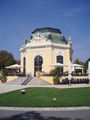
(59, 59)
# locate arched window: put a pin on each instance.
(38, 61)
(59, 59)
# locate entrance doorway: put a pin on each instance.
(38, 61)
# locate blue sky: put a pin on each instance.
(18, 18)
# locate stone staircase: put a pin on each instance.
(37, 81)
(27, 81)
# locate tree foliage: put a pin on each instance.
(77, 61)
(57, 71)
(6, 59)
(86, 64)
(18, 62)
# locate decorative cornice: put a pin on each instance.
(46, 44)
(38, 36)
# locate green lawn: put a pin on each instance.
(43, 97)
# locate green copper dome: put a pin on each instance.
(46, 29)
(52, 34)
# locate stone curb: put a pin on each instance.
(45, 108)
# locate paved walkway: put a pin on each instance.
(34, 82)
(17, 84)
(45, 108)
(7, 88)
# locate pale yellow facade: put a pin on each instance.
(48, 51)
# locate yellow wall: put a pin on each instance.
(9, 78)
(47, 60)
(21, 61)
(46, 55)
(66, 59)
(49, 57)
(48, 79)
(30, 62)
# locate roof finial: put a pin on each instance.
(69, 39)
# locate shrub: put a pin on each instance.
(4, 74)
(57, 71)
(56, 79)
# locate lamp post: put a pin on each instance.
(69, 73)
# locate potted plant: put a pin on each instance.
(4, 79)
(4, 74)
(57, 72)
(56, 80)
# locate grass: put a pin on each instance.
(43, 97)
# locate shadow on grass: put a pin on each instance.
(34, 116)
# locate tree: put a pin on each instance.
(18, 62)
(57, 71)
(57, 74)
(6, 59)
(86, 64)
(77, 61)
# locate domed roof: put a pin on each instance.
(46, 29)
(52, 34)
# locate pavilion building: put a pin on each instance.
(45, 48)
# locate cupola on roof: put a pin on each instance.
(47, 29)
(52, 34)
